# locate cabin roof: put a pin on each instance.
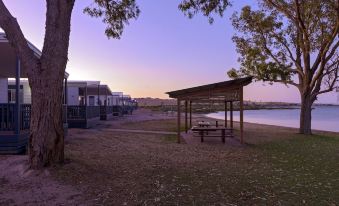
(8, 58)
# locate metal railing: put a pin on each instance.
(25, 116)
(82, 112)
(93, 111)
(105, 110)
(7, 117)
(109, 110)
(76, 112)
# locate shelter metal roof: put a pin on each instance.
(221, 91)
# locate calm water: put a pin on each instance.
(323, 118)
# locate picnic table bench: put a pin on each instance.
(213, 132)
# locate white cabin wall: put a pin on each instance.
(103, 99)
(73, 96)
(3, 90)
(117, 101)
(27, 94)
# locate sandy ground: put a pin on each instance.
(107, 167)
(20, 186)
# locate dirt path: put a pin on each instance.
(141, 131)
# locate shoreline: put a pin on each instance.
(323, 119)
(279, 126)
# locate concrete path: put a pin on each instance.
(141, 131)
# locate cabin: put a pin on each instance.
(88, 102)
(129, 104)
(15, 100)
(117, 103)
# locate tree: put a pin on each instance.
(293, 42)
(46, 141)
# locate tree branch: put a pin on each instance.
(290, 55)
(283, 9)
(282, 81)
(326, 46)
(323, 62)
(331, 82)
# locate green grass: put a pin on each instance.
(279, 167)
(304, 169)
(170, 138)
(300, 171)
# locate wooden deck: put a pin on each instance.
(11, 143)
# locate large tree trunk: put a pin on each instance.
(46, 145)
(306, 115)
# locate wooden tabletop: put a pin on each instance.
(211, 128)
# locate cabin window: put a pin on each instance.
(12, 94)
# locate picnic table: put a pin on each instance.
(213, 132)
(204, 124)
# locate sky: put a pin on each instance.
(159, 52)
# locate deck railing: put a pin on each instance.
(93, 111)
(76, 112)
(82, 112)
(8, 112)
(106, 110)
(103, 110)
(25, 116)
(7, 117)
(109, 110)
(117, 109)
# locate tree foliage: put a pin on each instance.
(114, 13)
(206, 7)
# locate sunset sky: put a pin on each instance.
(161, 51)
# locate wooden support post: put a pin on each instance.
(241, 115)
(190, 114)
(225, 114)
(223, 135)
(17, 97)
(66, 101)
(65, 91)
(106, 99)
(99, 95)
(178, 120)
(186, 111)
(231, 113)
(86, 95)
(86, 103)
